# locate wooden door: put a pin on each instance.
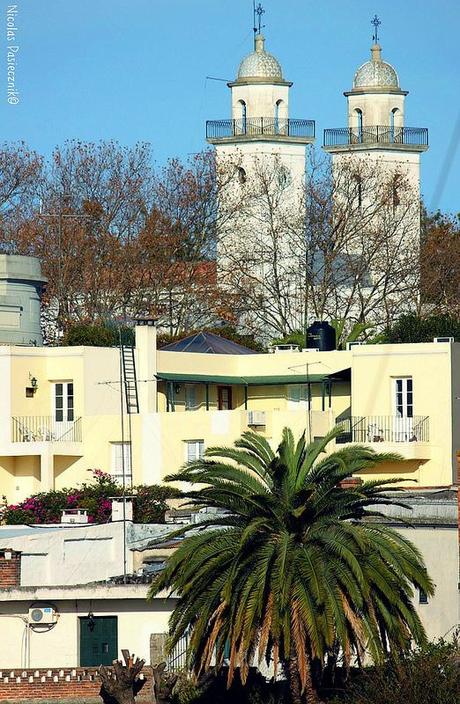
(98, 640)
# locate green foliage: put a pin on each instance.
(429, 675)
(358, 331)
(296, 337)
(292, 568)
(103, 335)
(149, 502)
(412, 328)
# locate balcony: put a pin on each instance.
(45, 429)
(412, 138)
(254, 128)
(372, 429)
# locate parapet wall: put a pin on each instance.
(66, 686)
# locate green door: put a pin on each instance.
(98, 640)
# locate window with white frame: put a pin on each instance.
(194, 450)
(63, 401)
(121, 461)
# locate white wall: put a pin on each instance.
(59, 647)
(74, 555)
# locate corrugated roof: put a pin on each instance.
(207, 343)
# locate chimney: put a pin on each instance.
(146, 357)
(10, 568)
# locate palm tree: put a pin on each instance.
(292, 568)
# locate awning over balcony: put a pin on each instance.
(266, 380)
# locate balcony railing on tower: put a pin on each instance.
(257, 126)
(376, 134)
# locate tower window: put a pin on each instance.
(284, 177)
(395, 130)
(359, 191)
(359, 124)
(278, 118)
(395, 193)
(242, 176)
(243, 113)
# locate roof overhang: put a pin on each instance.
(266, 380)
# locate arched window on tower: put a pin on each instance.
(279, 114)
(243, 117)
(359, 124)
(395, 128)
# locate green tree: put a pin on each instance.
(292, 571)
(412, 328)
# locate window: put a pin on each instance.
(395, 193)
(242, 177)
(224, 398)
(194, 450)
(297, 397)
(190, 397)
(359, 123)
(63, 401)
(121, 460)
(278, 111)
(243, 114)
(404, 397)
(394, 115)
(284, 177)
(359, 191)
(422, 597)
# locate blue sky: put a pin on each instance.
(136, 70)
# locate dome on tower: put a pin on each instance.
(259, 64)
(376, 73)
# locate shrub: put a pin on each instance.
(92, 335)
(429, 675)
(46, 507)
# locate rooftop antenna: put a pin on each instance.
(258, 12)
(376, 22)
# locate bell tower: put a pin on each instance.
(376, 128)
(260, 142)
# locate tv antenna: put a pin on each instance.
(376, 22)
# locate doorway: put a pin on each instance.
(98, 640)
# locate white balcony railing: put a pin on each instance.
(370, 429)
(45, 429)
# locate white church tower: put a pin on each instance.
(260, 144)
(376, 123)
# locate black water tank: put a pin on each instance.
(321, 335)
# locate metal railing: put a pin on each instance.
(371, 429)
(45, 429)
(177, 658)
(255, 126)
(376, 134)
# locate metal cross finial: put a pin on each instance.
(376, 22)
(258, 11)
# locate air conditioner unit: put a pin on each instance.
(43, 615)
(443, 339)
(256, 417)
(357, 343)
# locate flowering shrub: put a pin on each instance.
(149, 502)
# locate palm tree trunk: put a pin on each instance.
(309, 695)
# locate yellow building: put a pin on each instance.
(60, 412)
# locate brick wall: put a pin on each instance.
(79, 684)
(10, 568)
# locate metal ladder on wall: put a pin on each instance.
(130, 379)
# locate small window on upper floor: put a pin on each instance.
(359, 191)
